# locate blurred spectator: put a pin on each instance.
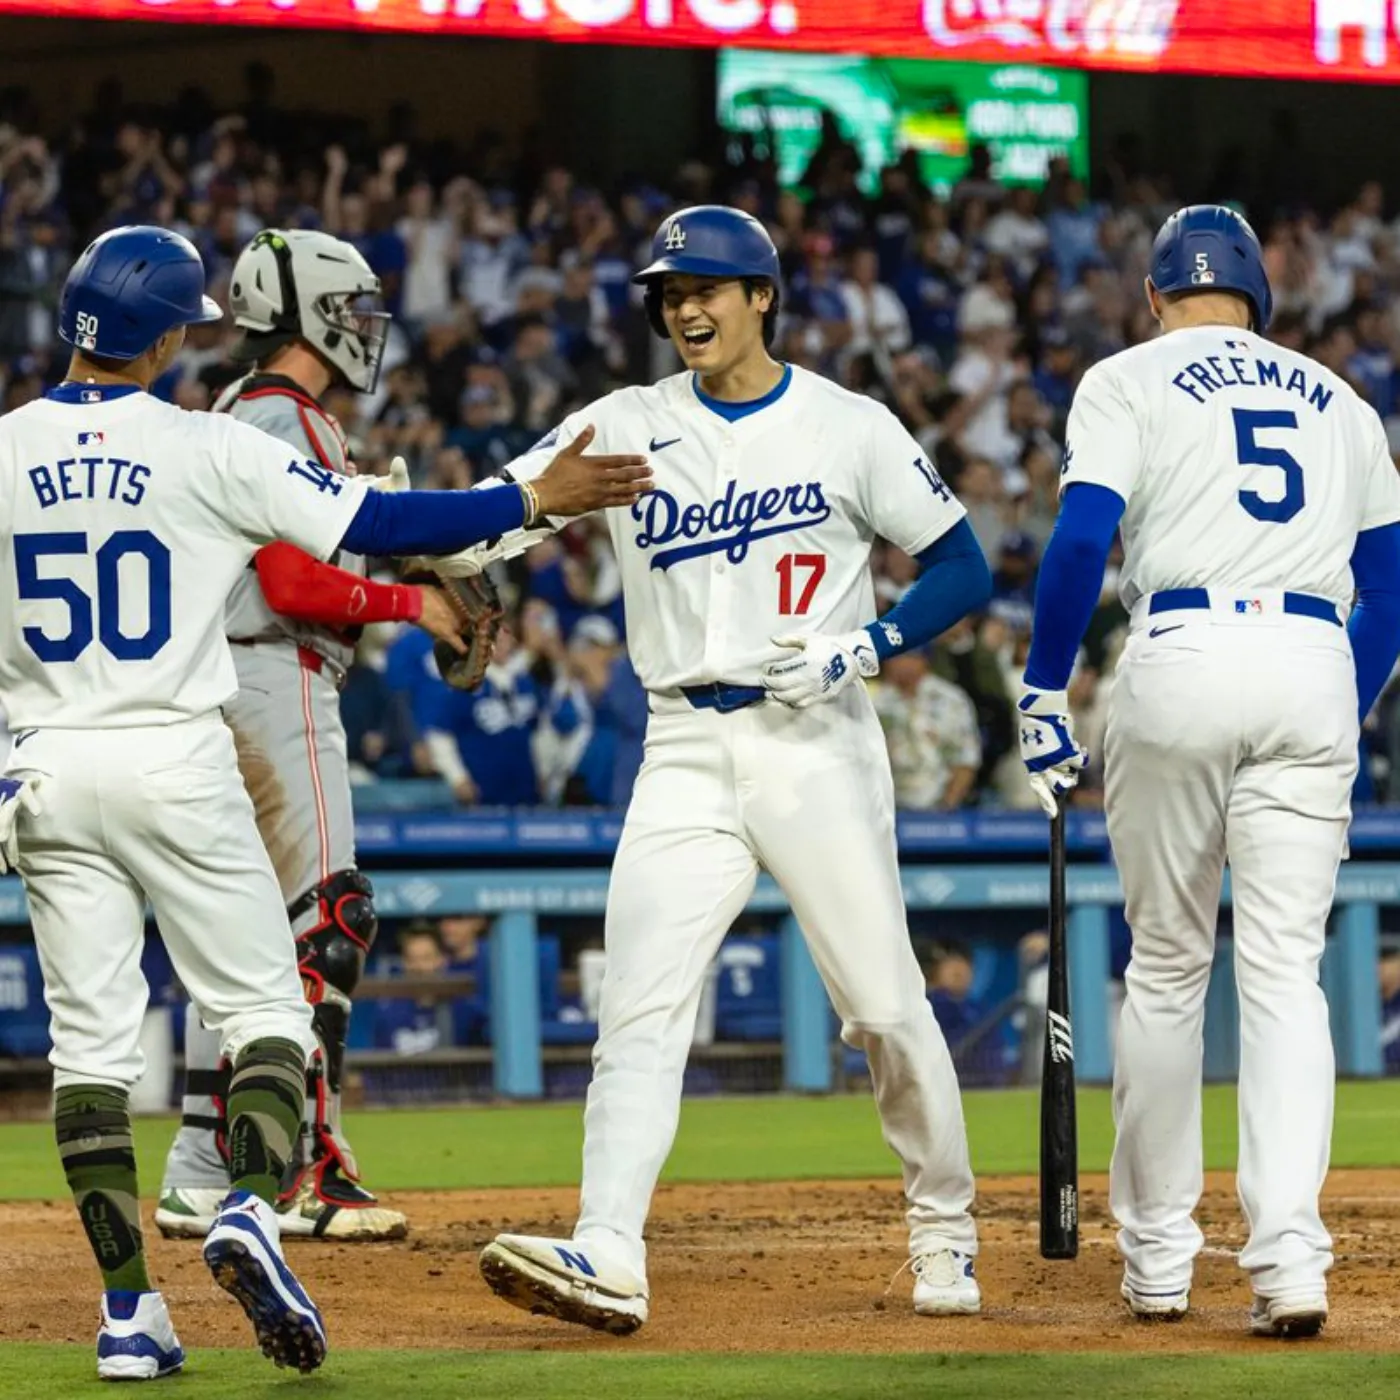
(948, 976)
(931, 732)
(1013, 580)
(963, 658)
(878, 320)
(416, 1025)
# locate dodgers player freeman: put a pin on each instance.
(1256, 493)
(749, 604)
(124, 523)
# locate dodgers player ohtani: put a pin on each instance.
(749, 604)
(1256, 493)
(124, 523)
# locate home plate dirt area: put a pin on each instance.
(795, 1266)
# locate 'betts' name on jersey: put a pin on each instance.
(123, 524)
(757, 527)
(1243, 464)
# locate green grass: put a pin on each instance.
(758, 1139)
(41, 1372)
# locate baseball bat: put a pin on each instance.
(1059, 1136)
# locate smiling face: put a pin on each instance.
(713, 321)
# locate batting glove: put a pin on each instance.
(396, 481)
(16, 795)
(1049, 750)
(821, 669)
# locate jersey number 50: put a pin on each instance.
(1250, 452)
(31, 549)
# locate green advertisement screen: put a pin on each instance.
(1023, 113)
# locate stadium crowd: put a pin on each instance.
(971, 315)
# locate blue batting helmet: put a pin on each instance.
(707, 240)
(1207, 247)
(128, 288)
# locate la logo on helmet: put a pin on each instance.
(675, 238)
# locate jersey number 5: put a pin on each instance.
(31, 549)
(815, 564)
(1249, 422)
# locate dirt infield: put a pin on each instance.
(740, 1268)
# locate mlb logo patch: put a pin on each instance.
(91, 439)
(1249, 605)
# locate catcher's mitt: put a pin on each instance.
(478, 608)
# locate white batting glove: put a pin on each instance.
(396, 481)
(1053, 757)
(821, 669)
(16, 795)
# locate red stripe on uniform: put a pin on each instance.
(316, 790)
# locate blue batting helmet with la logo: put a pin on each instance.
(707, 240)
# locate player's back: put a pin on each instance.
(123, 524)
(1244, 464)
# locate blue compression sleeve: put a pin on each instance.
(432, 522)
(953, 581)
(1071, 579)
(1374, 626)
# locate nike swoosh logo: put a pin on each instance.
(1162, 631)
(26, 734)
(657, 446)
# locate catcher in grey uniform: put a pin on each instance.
(306, 305)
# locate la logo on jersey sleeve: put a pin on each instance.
(322, 478)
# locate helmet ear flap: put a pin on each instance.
(651, 302)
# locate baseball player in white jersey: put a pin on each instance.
(750, 617)
(1256, 495)
(124, 523)
(306, 306)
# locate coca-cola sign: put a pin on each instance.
(1351, 39)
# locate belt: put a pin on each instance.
(307, 659)
(1299, 604)
(724, 698)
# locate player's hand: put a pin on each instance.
(1053, 757)
(440, 619)
(16, 795)
(397, 479)
(574, 484)
(818, 667)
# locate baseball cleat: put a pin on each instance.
(245, 1256)
(566, 1279)
(1270, 1317)
(324, 1205)
(136, 1341)
(1157, 1305)
(187, 1212)
(945, 1285)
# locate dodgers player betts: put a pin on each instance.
(746, 578)
(1255, 492)
(124, 523)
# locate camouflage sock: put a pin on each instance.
(265, 1100)
(93, 1127)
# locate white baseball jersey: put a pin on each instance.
(1242, 463)
(124, 523)
(757, 527)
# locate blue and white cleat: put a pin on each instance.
(567, 1279)
(244, 1253)
(136, 1341)
(945, 1284)
(1156, 1304)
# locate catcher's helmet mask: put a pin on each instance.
(346, 326)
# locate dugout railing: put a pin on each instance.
(516, 900)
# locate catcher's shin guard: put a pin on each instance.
(331, 958)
